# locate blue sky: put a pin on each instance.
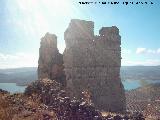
(24, 22)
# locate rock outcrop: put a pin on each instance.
(93, 63)
(50, 64)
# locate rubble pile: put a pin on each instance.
(54, 98)
(46, 90)
(80, 110)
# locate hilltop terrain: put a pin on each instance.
(46, 100)
(145, 99)
(21, 76)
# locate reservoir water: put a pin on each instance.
(133, 84)
(128, 85)
(12, 87)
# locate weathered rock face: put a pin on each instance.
(50, 64)
(93, 63)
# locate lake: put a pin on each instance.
(133, 84)
(128, 85)
(12, 87)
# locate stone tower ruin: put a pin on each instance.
(89, 63)
(50, 63)
(93, 63)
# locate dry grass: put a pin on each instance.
(6, 109)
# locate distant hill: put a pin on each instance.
(21, 76)
(26, 75)
(140, 72)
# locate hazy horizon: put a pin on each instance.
(121, 66)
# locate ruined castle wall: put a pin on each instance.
(93, 63)
(50, 63)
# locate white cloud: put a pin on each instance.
(158, 50)
(141, 50)
(18, 60)
(147, 51)
(151, 51)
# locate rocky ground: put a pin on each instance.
(46, 100)
(21, 107)
(145, 99)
